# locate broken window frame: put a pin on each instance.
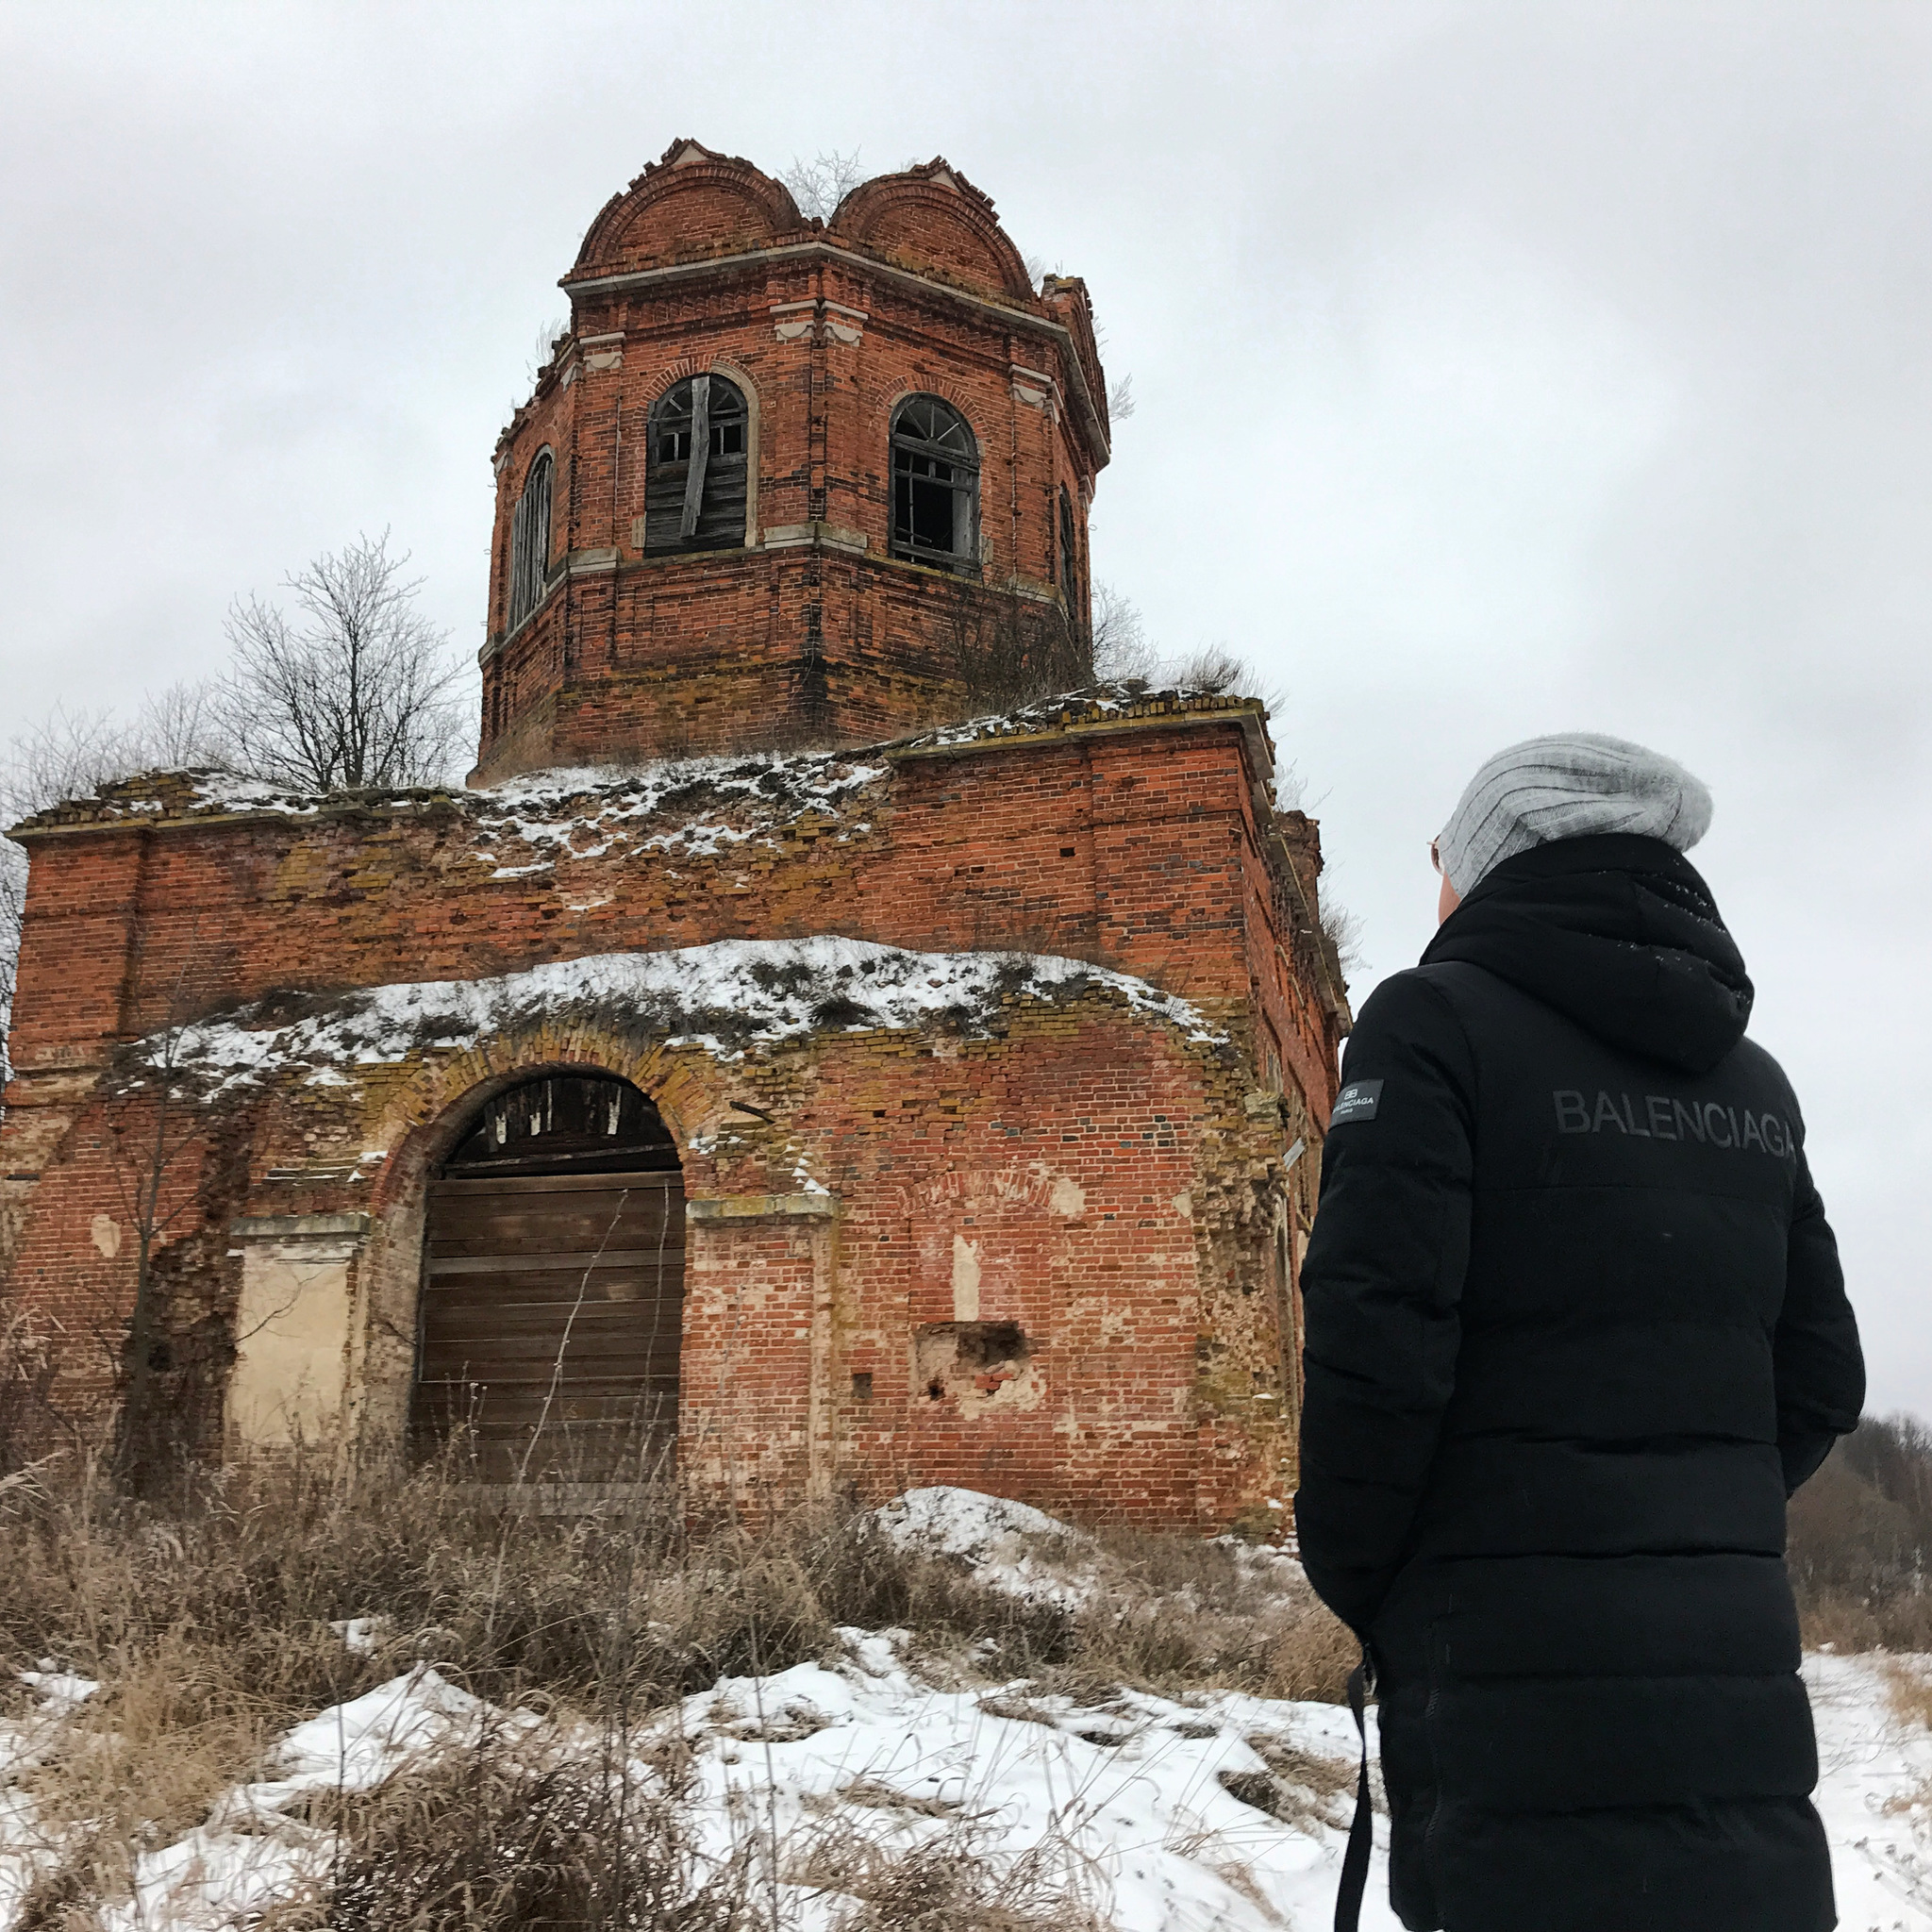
(934, 458)
(529, 540)
(697, 466)
(1070, 565)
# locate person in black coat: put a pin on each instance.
(1575, 1330)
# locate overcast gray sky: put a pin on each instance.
(1501, 368)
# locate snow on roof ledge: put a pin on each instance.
(726, 998)
(780, 784)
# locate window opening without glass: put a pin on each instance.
(696, 470)
(1069, 569)
(935, 487)
(529, 540)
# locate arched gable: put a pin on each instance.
(690, 205)
(931, 218)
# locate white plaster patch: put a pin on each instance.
(106, 1235)
(1183, 1204)
(1068, 1197)
(965, 1279)
(291, 1343)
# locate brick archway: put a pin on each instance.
(550, 1312)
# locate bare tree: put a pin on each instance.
(356, 690)
(66, 755)
(359, 691)
(1119, 397)
(180, 730)
(1006, 653)
(819, 185)
(1121, 649)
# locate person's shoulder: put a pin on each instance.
(1761, 1068)
(1416, 1006)
(1428, 995)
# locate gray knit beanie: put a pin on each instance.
(1568, 786)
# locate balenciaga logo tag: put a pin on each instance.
(1358, 1101)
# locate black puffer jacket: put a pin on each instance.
(1575, 1330)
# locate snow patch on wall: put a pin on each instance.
(711, 803)
(728, 998)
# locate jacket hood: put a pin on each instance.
(1619, 934)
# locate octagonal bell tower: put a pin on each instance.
(787, 481)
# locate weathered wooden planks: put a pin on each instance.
(551, 1315)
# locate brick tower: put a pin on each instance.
(789, 482)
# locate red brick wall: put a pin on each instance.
(1137, 847)
(1069, 1156)
(1152, 1313)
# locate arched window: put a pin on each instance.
(551, 1313)
(696, 467)
(935, 487)
(529, 541)
(1070, 568)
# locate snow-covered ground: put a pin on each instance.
(1874, 1791)
(1130, 1801)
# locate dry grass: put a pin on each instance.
(1896, 1620)
(947, 1885)
(1299, 1788)
(174, 1726)
(513, 1834)
(1176, 1614)
(1908, 1691)
(205, 1614)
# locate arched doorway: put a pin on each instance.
(551, 1310)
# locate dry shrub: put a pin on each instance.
(1178, 1614)
(1859, 1541)
(503, 1836)
(947, 1885)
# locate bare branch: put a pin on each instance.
(1121, 649)
(819, 185)
(543, 349)
(179, 731)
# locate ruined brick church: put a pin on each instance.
(805, 1056)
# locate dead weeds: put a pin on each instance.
(213, 1613)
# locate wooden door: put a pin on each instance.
(551, 1316)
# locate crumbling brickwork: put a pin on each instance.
(995, 1056)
